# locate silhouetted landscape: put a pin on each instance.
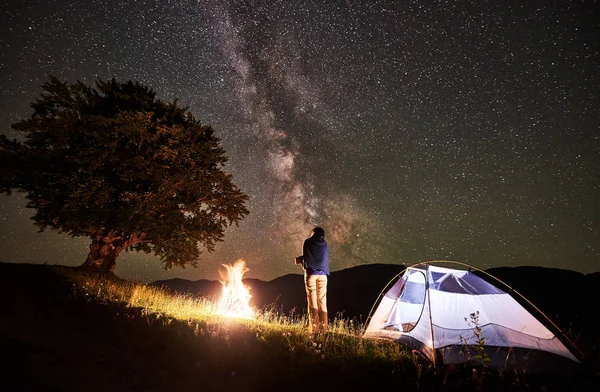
(563, 295)
(58, 340)
(352, 291)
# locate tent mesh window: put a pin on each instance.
(409, 303)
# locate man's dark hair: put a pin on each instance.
(319, 232)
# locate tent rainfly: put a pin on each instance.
(454, 316)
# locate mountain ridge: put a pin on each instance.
(354, 291)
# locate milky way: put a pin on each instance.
(410, 131)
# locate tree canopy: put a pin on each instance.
(114, 163)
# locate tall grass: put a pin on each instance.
(343, 339)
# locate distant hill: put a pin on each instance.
(351, 292)
(562, 295)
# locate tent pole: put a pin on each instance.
(380, 295)
(430, 318)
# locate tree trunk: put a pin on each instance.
(103, 255)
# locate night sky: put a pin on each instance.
(410, 131)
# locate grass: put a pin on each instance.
(70, 331)
(343, 340)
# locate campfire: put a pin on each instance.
(236, 296)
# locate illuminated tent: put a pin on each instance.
(454, 316)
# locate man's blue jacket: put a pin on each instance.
(316, 255)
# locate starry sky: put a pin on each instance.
(408, 130)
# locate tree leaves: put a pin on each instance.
(113, 159)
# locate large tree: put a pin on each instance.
(114, 163)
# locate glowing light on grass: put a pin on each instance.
(236, 296)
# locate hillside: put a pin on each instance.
(57, 339)
(58, 336)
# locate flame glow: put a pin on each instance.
(236, 296)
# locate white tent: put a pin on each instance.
(452, 315)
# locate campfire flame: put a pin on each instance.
(236, 296)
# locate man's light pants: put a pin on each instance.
(316, 294)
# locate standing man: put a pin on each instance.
(315, 261)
